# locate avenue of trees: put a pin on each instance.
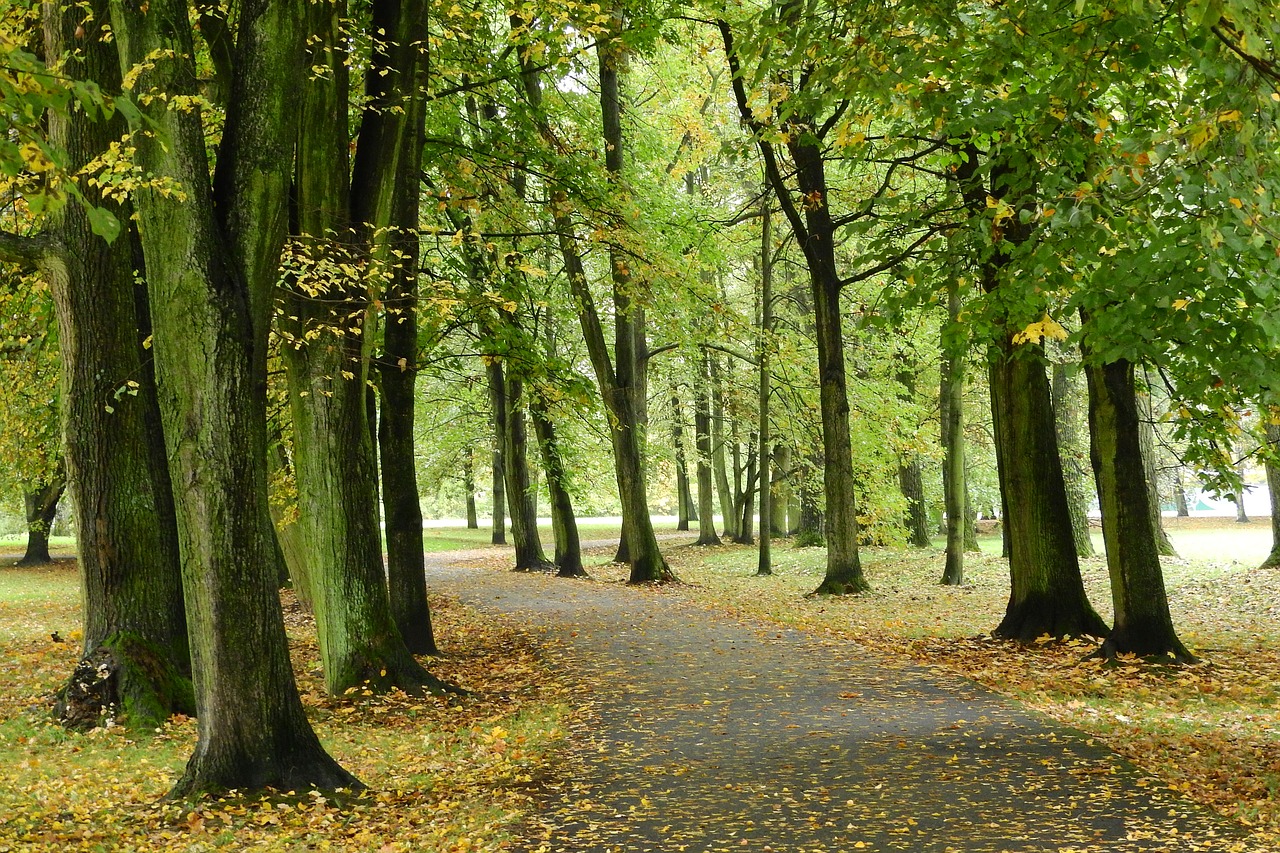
(854, 270)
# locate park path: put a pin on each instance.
(713, 733)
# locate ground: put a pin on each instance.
(517, 765)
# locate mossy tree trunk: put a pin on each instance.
(327, 369)
(131, 582)
(1066, 394)
(1047, 593)
(1143, 625)
(210, 300)
(685, 510)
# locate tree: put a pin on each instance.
(1065, 393)
(341, 212)
(1143, 625)
(135, 654)
(814, 231)
(211, 251)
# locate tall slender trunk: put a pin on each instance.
(719, 459)
(498, 403)
(524, 516)
(397, 377)
(469, 485)
(685, 511)
(955, 486)
(910, 477)
(1065, 393)
(764, 562)
(1143, 625)
(564, 523)
(1150, 470)
(702, 429)
(815, 231)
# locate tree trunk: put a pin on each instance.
(911, 483)
(764, 563)
(623, 383)
(499, 520)
(1047, 595)
(41, 504)
(1147, 440)
(127, 539)
(746, 504)
(401, 503)
(1273, 486)
(564, 522)
(955, 486)
(685, 511)
(469, 485)
(703, 440)
(1180, 496)
(719, 460)
(210, 327)
(1065, 393)
(844, 568)
(327, 373)
(1143, 625)
(524, 517)
(780, 499)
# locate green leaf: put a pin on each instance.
(103, 222)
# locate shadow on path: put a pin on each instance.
(716, 734)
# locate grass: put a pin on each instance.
(444, 775)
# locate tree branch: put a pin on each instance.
(25, 251)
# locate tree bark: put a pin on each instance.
(1180, 496)
(524, 517)
(719, 456)
(327, 369)
(764, 562)
(564, 522)
(955, 486)
(127, 539)
(685, 510)
(469, 485)
(1273, 486)
(702, 428)
(41, 504)
(1150, 470)
(1065, 394)
(780, 500)
(497, 398)
(1047, 595)
(1143, 625)
(210, 323)
(401, 503)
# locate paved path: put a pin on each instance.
(712, 733)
